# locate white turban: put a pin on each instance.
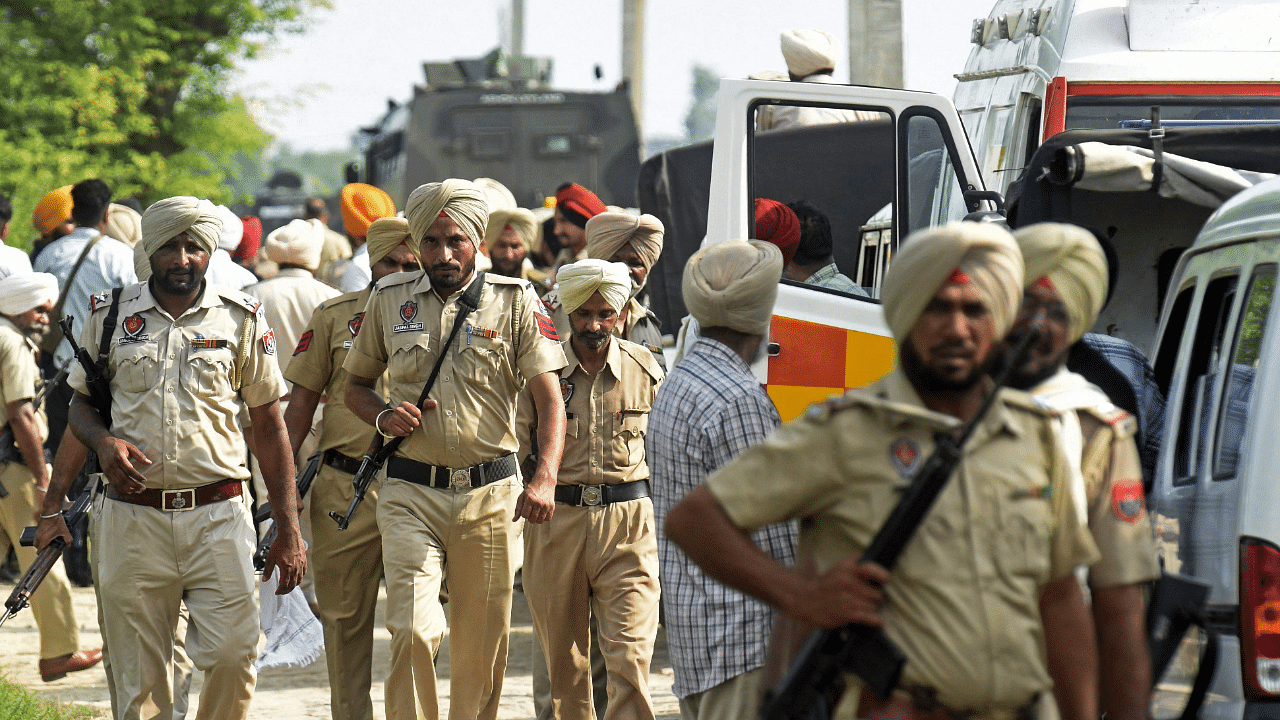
(808, 51)
(384, 235)
(579, 281)
(733, 284)
(609, 231)
(519, 220)
(232, 229)
(20, 293)
(960, 252)
(460, 200)
(298, 243)
(1069, 259)
(496, 195)
(173, 216)
(124, 224)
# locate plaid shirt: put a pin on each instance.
(709, 410)
(1130, 361)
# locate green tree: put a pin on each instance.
(130, 91)
(700, 123)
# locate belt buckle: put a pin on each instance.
(591, 495)
(460, 479)
(178, 500)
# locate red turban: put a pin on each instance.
(779, 225)
(252, 240)
(580, 200)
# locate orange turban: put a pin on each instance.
(53, 210)
(779, 225)
(361, 205)
(581, 201)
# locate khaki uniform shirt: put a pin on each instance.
(508, 339)
(288, 300)
(607, 416)
(174, 390)
(19, 373)
(1098, 439)
(317, 366)
(963, 600)
(642, 326)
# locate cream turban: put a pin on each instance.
(808, 51)
(518, 219)
(733, 284)
(981, 253)
(461, 200)
(1069, 259)
(385, 235)
(232, 229)
(20, 293)
(298, 243)
(608, 232)
(173, 216)
(579, 281)
(496, 195)
(124, 224)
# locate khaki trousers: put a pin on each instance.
(51, 602)
(542, 683)
(601, 560)
(464, 536)
(150, 563)
(735, 698)
(347, 565)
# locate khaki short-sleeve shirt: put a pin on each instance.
(607, 416)
(174, 388)
(317, 366)
(963, 600)
(19, 373)
(508, 339)
(642, 326)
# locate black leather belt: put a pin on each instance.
(601, 494)
(340, 462)
(441, 478)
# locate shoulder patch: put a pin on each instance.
(643, 356)
(269, 342)
(304, 342)
(542, 315)
(1128, 501)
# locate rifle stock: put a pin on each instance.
(20, 598)
(374, 458)
(307, 477)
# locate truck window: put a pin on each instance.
(1204, 366)
(1233, 413)
(1106, 112)
(934, 193)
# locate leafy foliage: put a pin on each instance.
(700, 123)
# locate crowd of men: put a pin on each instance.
(512, 364)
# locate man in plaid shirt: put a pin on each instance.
(710, 409)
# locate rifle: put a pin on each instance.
(8, 447)
(304, 484)
(813, 683)
(77, 516)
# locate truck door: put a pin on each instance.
(878, 164)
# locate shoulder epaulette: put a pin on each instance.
(643, 356)
(1121, 422)
(1022, 400)
(339, 300)
(552, 299)
(239, 298)
(399, 278)
(823, 410)
(101, 300)
(496, 279)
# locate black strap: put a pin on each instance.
(1157, 149)
(108, 328)
(66, 289)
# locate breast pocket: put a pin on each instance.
(1024, 537)
(138, 367)
(628, 438)
(209, 372)
(482, 358)
(411, 359)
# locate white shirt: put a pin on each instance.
(227, 272)
(108, 265)
(358, 274)
(288, 300)
(13, 261)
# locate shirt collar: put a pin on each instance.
(147, 301)
(717, 351)
(897, 388)
(294, 272)
(826, 272)
(423, 286)
(612, 359)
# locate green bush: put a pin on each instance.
(18, 703)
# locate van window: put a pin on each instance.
(1202, 371)
(1234, 408)
(935, 195)
(1167, 356)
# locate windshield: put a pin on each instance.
(1108, 112)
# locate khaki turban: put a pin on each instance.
(608, 232)
(27, 291)
(297, 243)
(983, 254)
(173, 216)
(579, 281)
(232, 229)
(361, 205)
(519, 220)
(496, 195)
(461, 200)
(386, 234)
(1069, 259)
(733, 284)
(52, 210)
(124, 224)
(808, 51)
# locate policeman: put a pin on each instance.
(599, 553)
(348, 564)
(173, 528)
(25, 304)
(446, 507)
(575, 205)
(985, 585)
(1066, 285)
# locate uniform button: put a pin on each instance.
(595, 429)
(170, 388)
(453, 449)
(448, 413)
(168, 422)
(595, 463)
(169, 456)
(172, 356)
(446, 378)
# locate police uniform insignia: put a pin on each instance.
(99, 300)
(304, 342)
(542, 314)
(133, 327)
(1128, 501)
(408, 311)
(905, 456)
(269, 342)
(200, 342)
(354, 324)
(566, 390)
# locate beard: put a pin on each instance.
(178, 282)
(450, 276)
(510, 269)
(592, 341)
(1034, 371)
(930, 380)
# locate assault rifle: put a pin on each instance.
(307, 477)
(813, 683)
(78, 514)
(8, 446)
